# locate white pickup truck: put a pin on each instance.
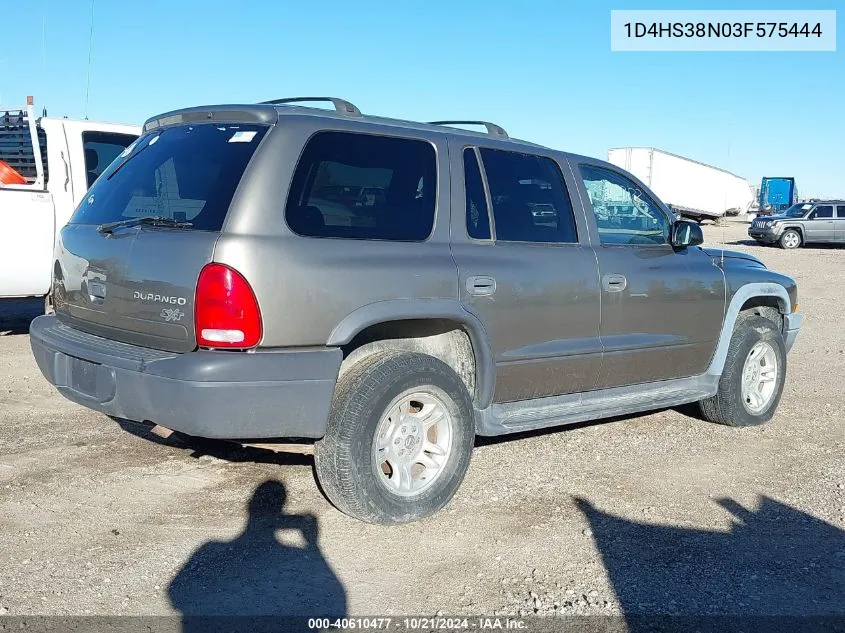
(46, 166)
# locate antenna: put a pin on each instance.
(725, 202)
(88, 77)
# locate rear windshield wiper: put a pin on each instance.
(151, 220)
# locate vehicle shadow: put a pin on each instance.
(812, 246)
(254, 580)
(774, 561)
(17, 314)
(744, 243)
(200, 446)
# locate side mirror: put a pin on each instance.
(686, 233)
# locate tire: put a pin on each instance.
(729, 406)
(790, 239)
(349, 466)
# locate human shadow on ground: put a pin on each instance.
(776, 569)
(254, 581)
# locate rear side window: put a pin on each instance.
(478, 217)
(361, 186)
(101, 148)
(840, 211)
(530, 200)
(186, 173)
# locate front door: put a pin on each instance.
(526, 269)
(819, 227)
(662, 309)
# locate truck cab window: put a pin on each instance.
(101, 148)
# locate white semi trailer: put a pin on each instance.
(690, 188)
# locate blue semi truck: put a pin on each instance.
(776, 195)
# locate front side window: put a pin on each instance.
(361, 186)
(101, 148)
(823, 212)
(624, 214)
(530, 200)
(840, 212)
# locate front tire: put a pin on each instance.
(399, 438)
(752, 380)
(790, 239)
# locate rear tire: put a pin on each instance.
(790, 239)
(379, 460)
(752, 380)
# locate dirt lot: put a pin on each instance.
(659, 513)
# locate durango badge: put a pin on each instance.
(149, 296)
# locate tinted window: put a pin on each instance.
(186, 173)
(825, 211)
(478, 217)
(360, 186)
(624, 214)
(101, 148)
(840, 211)
(530, 201)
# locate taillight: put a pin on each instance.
(226, 312)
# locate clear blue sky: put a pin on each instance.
(541, 69)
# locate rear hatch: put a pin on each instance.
(129, 259)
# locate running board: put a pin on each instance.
(528, 415)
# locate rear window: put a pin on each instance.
(186, 173)
(360, 186)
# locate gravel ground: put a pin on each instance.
(658, 513)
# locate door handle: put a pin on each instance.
(614, 282)
(481, 285)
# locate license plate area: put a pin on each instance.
(82, 376)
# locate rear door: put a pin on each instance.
(819, 227)
(661, 309)
(527, 269)
(136, 283)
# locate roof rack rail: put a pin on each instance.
(492, 128)
(342, 106)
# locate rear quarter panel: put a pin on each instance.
(306, 286)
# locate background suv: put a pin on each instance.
(819, 222)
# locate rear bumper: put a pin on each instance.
(215, 394)
(791, 326)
